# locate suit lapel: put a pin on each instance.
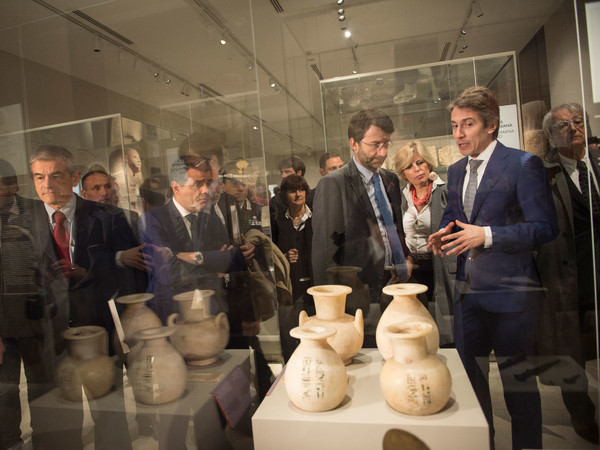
(354, 180)
(496, 166)
(84, 224)
(180, 230)
(456, 185)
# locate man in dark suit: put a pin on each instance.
(348, 224)
(21, 335)
(497, 212)
(190, 247)
(79, 244)
(568, 323)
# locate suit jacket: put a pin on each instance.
(98, 237)
(345, 230)
(164, 228)
(559, 330)
(514, 199)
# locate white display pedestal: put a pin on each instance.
(197, 405)
(363, 418)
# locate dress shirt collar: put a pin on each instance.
(184, 212)
(486, 154)
(364, 172)
(68, 210)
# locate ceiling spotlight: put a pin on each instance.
(354, 71)
(272, 83)
(340, 2)
(97, 43)
(156, 74)
(347, 33)
(341, 18)
(465, 46)
(463, 32)
(168, 81)
(341, 11)
(477, 9)
(223, 41)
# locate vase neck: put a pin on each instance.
(315, 343)
(408, 349)
(330, 307)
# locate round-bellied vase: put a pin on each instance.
(405, 307)
(157, 372)
(330, 302)
(413, 381)
(87, 366)
(315, 376)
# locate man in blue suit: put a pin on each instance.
(499, 209)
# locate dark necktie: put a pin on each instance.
(471, 187)
(585, 188)
(193, 221)
(61, 237)
(390, 227)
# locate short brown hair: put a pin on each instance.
(482, 100)
(363, 119)
(179, 168)
(293, 183)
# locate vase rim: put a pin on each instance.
(153, 333)
(329, 289)
(83, 332)
(408, 330)
(404, 289)
(313, 332)
(189, 295)
(134, 298)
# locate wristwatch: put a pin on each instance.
(198, 258)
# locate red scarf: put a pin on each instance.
(420, 201)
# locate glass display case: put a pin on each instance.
(416, 99)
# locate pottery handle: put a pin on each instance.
(359, 322)
(222, 321)
(172, 319)
(302, 318)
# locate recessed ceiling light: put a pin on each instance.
(223, 41)
(347, 33)
(341, 18)
(340, 2)
(341, 11)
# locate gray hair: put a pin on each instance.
(547, 123)
(53, 153)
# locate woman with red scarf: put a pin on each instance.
(423, 203)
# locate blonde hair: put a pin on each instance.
(404, 156)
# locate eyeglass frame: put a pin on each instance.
(567, 123)
(377, 145)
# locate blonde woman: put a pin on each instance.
(423, 203)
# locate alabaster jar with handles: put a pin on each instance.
(330, 302)
(157, 372)
(315, 376)
(197, 335)
(137, 316)
(87, 366)
(413, 381)
(405, 307)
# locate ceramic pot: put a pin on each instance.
(405, 307)
(137, 316)
(157, 373)
(87, 365)
(359, 298)
(200, 342)
(330, 303)
(197, 335)
(413, 381)
(194, 306)
(315, 376)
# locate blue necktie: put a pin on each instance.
(397, 253)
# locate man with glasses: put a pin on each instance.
(568, 324)
(357, 219)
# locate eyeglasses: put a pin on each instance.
(578, 122)
(377, 145)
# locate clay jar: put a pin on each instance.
(413, 381)
(157, 372)
(405, 307)
(199, 337)
(315, 376)
(330, 303)
(348, 276)
(137, 316)
(87, 365)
